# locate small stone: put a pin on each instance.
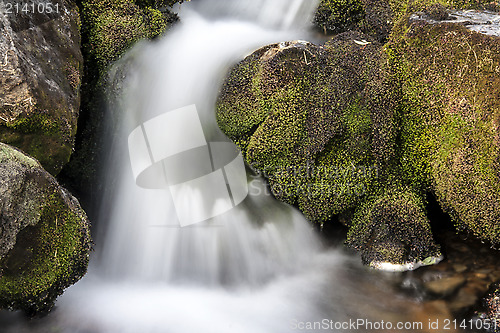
(445, 286)
(459, 268)
(481, 276)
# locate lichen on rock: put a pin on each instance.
(44, 235)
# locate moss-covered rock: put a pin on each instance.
(372, 17)
(320, 122)
(336, 16)
(351, 127)
(44, 235)
(40, 77)
(316, 120)
(392, 229)
(450, 81)
(376, 17)
(112, 26)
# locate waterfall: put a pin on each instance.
(257, 240)
(256, 268)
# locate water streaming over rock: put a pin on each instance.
(257, 240)
(257, 268)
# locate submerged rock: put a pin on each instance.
(40, 76)
(44, 235)
(446, 286)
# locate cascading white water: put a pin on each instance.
(257, 240)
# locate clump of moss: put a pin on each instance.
(450, 81)
(317, 121)
(42, 136)
(336, 16)
(392, 227)
(112, 26)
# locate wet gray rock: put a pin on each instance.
(44, 235)
(40, 74)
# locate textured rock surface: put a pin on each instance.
(44, 235)
(320, 123)
(373, 17)
(450, 81)
(491, 304)
(40, 74)
(392, 232)
(316, 120)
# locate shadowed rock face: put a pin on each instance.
(44, 235)
(40, 76)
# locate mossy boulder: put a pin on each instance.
(449, 143)
(320, 123)
(44, 235)
(40, 77)
(317, 121)
(112, 26)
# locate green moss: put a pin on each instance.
(449, 78)
(37, 123)
(392, 227)
(339, 15)
(112, 26)
(41, 136)
(47, 258)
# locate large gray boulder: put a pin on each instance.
(44, 235)
(40, 75)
